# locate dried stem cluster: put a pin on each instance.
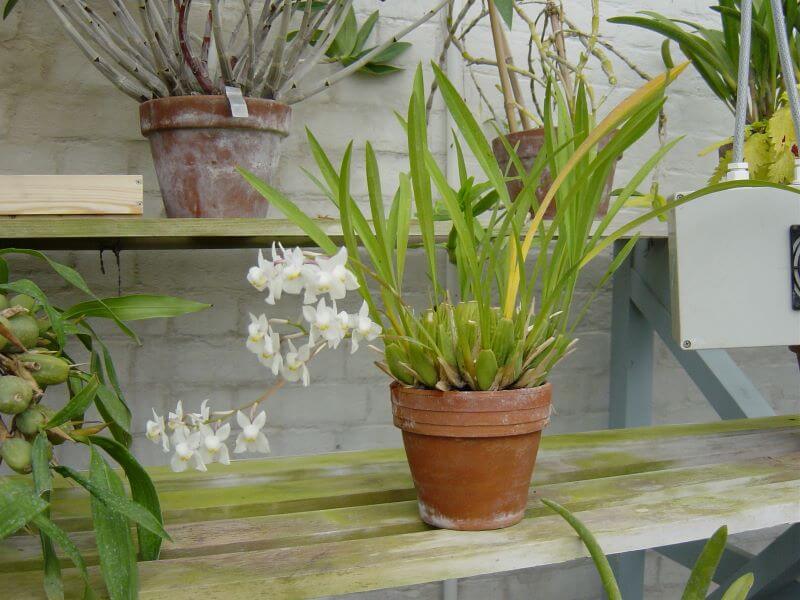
(550, 31)
(270, 48)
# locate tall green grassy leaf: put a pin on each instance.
(18, 505)
(77, 405)
(43, 484)
(703, 571)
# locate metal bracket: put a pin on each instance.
(794, 258)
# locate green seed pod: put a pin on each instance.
(15, 394)
(3, 341)
(3, 302)
(26, 329)
(24, 301)
(17, 454)
(44, 325)
(46, 368)
(394, 360)
(486, 369)
(423, 365)
(32, 420)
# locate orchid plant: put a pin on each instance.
(283, 347)
(508, 324)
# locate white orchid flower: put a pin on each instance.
(175, 421)
(294, 365)
(256, 331)
(293, 271)
(157, 431)
(269, 353)
(324, 322)
(332, 277)
(251, 439)
(259, 276)
(362, 327)
(212, 444)
(203, 416)
(186, 452)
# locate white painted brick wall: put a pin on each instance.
(58, 115)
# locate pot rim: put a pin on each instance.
(471, 414)
(212, 111)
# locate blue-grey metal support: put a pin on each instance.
(775, 569)
(631, 395)
(641, 307)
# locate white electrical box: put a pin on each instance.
(735, 267)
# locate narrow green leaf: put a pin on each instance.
(143, 491)
(598, 556)
(506, 10)
(135, 307)
(18, 505)
(77, 404)
(3, 271)
(703, 571)
(121, 504)
(112, 534)
(10, 4)
(55, 533)
(739, 588)
(291, 211)
(43, 483)
(420, 179)
(116, 409)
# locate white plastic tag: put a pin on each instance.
(236, 100)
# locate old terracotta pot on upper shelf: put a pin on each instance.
(528, 144)
(197, 144)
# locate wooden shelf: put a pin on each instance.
(132, 233)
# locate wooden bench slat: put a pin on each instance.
(239, 496)
(407, 559)
(307, 526)
(303, 528)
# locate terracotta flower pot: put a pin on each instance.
(471, 453)
(197, 144)
(528, 144)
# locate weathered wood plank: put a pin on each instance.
(379, 520)
(189, 498)
(71, 195)
(330, 524)
(406, 559)
(127, 234)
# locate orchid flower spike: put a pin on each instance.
(256, 331)
(269, 353)
(325, 323)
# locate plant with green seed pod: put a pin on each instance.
(510, 321)
(34, 357)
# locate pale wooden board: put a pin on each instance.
(71, 195)
(80, 233)
(635, 488)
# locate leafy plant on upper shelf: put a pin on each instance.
(699, 580)
(269, 52)
(511, 321)
(34, 361)
(770, 147)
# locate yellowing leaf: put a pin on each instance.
(782, 168)
(780, 129)
(722, 168)
(757, 154)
